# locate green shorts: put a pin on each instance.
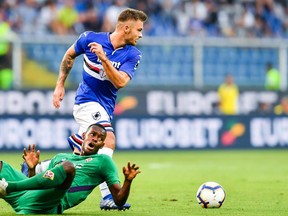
(41, 202)
(46, 201)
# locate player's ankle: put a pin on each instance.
(109, 196)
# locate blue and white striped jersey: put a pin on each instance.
(95, 85)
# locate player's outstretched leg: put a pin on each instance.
(59, 176)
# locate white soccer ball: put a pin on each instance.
(210, 195)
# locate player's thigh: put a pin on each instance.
(91, 113)
(42, 201)
(110, 140)
(11, 174)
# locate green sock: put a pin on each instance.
(48, 179)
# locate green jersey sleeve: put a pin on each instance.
(109, 171)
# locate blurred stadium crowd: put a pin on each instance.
(211, 18)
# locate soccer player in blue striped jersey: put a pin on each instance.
(110, 62)
(69, 179)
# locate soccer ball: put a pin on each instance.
(210, 195)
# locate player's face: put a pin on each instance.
(93, 140)
(133, 32)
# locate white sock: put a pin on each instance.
(41, 167)
(104, 190)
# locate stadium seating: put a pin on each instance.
(164, 65)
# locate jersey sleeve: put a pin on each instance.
(56, 160)
(131, 65)
(52, 162)
(81, 43)
(110, 173)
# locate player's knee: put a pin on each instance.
(69, 168)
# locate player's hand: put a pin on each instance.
(131, 171)
(58, 96)
(97, 49)
(31, 156)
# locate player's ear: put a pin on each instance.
(83, 135)
(126, 29)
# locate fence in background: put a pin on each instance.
(185, 62)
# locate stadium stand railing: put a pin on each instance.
(185, 62)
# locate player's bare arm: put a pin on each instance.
(130, 171)
(118, 78)
(65, 67)
(32, 157)
(120, 194)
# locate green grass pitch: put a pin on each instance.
(255, 181)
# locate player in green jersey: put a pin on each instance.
(68, 180)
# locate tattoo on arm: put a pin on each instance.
(67, 63)
(65, 67)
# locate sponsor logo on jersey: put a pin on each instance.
(49, 174)
(114, 63)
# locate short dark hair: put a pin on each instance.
(132, 14)
(98, 125)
